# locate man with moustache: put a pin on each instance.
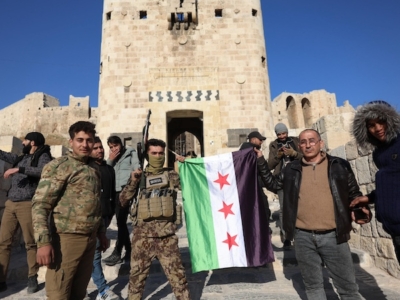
(25, 175)
(316, 214)
(67, 220)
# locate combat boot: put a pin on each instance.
(113, 259)
(33, 285)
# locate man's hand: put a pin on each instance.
(135, 175)
(368, 216)
(10, 172)
(45, 255)
(359, 201)
(258, 152)
(180, 158)
(280, 153)
(289, 151)
(104, 242)
(113, 154)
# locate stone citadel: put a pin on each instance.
(201, 67)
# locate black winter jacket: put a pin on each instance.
(343, 185)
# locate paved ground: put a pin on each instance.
(280, 280)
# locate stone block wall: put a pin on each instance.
(370, 237)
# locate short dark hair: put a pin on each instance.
(84, 126)
(155, 142)
(97, 140)
(310, 129)
(114, 140)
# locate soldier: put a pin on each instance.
(154, 235)
(68, 198)
(25, 175)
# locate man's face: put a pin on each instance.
(377, 128)
(156, 151)
(115, 147)
(98, 152)
(310, 145)
(257, 142)
(27, 146)
(282, 136)
(82, 144)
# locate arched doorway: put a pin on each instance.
(291, 112)
(307, 113)
(184, 133)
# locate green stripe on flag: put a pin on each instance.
(198, 214)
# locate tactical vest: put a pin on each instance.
(158, 200)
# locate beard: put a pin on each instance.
(27, 149)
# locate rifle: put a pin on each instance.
(141, 146)
(141, 153)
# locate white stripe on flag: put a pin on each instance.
(232, 224)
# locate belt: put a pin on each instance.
(318, 231)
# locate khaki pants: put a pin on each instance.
(68, 277)
(17, 214)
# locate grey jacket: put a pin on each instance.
(127, 163)
(25, 182)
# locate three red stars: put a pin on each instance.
(226, 209)
(222, 180)
(230, 241)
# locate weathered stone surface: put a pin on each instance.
(362, 166)
(385, 249)
(351, 150)
(369, 245)
(339, 151)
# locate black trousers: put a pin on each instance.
(121, 214)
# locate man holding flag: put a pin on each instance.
(155, 213)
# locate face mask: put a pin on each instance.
(27, 149)
(156, 164)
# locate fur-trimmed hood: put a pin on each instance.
(375, 110)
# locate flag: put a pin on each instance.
(225, 216)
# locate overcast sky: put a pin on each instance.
(347, 47)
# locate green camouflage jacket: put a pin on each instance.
(154, 228)
(69, 192)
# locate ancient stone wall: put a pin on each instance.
(369, 237)
(43, 113)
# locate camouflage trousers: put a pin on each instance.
(165, 249)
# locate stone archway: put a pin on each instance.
(179, 124)
(292, 112)
(307, 112)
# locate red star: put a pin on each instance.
(231, 241)
(222, 180)
(227, 209)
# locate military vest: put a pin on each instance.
(157, 201)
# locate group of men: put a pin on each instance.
(64, 206)
(64, 216)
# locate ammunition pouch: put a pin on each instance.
(158, 204)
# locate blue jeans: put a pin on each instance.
(97, 273)
(311, 250)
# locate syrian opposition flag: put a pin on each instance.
(225, 216)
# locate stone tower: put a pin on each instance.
(200, 66)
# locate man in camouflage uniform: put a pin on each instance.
(66, 213)
(154, 238)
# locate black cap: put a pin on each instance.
(37, 137)
(256, 134)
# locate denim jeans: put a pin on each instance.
(97, 272)
(311, 250)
